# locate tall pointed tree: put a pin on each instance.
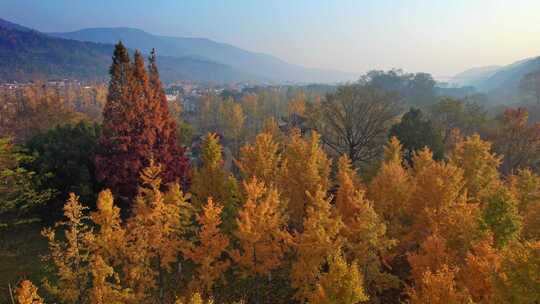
(305, 168)
(260, 159)
(363, 229)
(136, 127)
(319, 240)
(208, 251)
(391, 190)
(155, 235)
(170, 154)
(342, 284)
(479, 165)
(261, 233)
(211, 180)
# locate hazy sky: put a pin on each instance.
(442, 37)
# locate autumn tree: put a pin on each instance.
(137, 126)
(263, 239)
(261, 159)
(364, 231)
(438, 287)
(109, 237)
(106, 287)
(254, 117)
(36, 108)
(233, 118)
(439, 204)
(391, 189)
(525, 186)
(212, 180)
(169, 153)
(70, 257)
(482, 263)
(342, 284)
(155, 235)
(479, 165)
(355, 120)
(207, 253)
(319, 239)
(516, 140)
(305, 168)
(432, 255)
(501, 217)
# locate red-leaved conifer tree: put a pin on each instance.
(137, 126)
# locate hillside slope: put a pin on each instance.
(263, 65)
(27, 54)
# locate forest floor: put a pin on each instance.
(20, 257)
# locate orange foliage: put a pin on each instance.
(438, 288)
(481, 264)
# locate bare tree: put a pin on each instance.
(355, 120)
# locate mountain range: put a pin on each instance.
(86, 53)
(499, 82)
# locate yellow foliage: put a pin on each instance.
(70, 257)
(318, 240)
(207, 252)
(109, 241)
(261, 233)
(212, 180)
(103, 291)
(154, 233)
(305, 169)
(260, 159)
(342, 284)
(479, 165)
(391, 190)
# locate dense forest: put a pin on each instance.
(378, 191)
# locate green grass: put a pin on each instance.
(20, 257)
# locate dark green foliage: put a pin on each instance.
(415, 89)
(416, 132)
(66, 154)
(21, 190)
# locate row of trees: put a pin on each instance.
(449, 231)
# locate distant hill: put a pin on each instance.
(12, 26)
(502, 84)
(27, 54)
(263, 65)
(471, 76)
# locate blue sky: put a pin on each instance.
(442, 37)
